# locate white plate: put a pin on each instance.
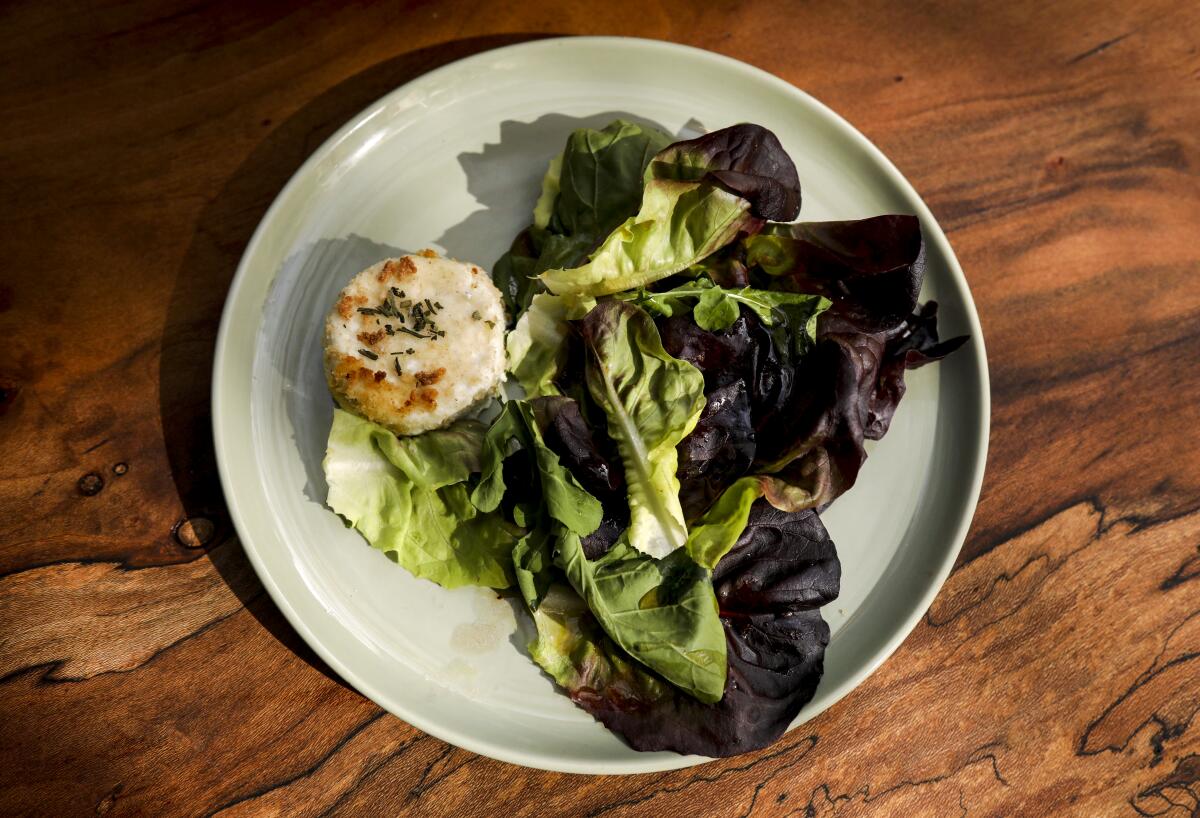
(453, 161)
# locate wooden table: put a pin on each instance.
(144, 670)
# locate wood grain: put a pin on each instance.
(143, 671)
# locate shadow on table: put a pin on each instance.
(193, 311)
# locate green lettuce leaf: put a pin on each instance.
(408, 498)
(651, 401)
(663, 613)
(578, 655)
(718, 529)
(699, 195)
(536, 345)
(678, 224)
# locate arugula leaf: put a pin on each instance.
(662, 612)
(651, 401)
(408, 499)
(516, 429)
(533, 562)
(717, 307)
(558, 504)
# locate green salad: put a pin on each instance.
(692, 374)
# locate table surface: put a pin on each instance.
(143, 670)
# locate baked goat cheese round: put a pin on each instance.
(414, 342)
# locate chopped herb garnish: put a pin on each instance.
(398, 372)
(396, 291)
(413, 332)
(491, 324)
(476, 316)
(366, 353)
(438, 304)
(368, 310)
(428, 307)
(409, 350)
(388, 329)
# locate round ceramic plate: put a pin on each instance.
(453, 161)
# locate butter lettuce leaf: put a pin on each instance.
(746, 159)
(536, 345)
(719, 528)
(408, 498)
(544, 209)
(678, 224)
(699, 196)
(651, 401)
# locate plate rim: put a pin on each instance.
(638, 762)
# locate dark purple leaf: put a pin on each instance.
(566, 433)
(746, 160)
(718, 451)
(852, 383)
(871, 269)
(746, 352)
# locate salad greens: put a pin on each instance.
(699, 377)
(535, 346)
(567, 509)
